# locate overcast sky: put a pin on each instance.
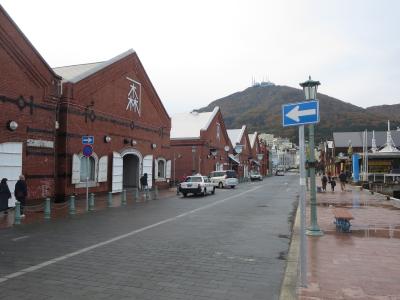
(199, 51)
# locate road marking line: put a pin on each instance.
(83, 250)
(20, 238)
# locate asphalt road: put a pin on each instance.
(231, 245)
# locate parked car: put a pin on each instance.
(255, 175)
(196, 185)
(279, 172)
(224, 178)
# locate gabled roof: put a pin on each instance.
(252, 139)
(76, 73)
(341, 139)
(235, 135)
(21, 36)
(189, 125)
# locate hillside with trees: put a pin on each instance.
(260, 107)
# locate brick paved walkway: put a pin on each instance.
(35, 213)
(362, 264)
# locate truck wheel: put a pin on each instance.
(220, 185)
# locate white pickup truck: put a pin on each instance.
(197, 185)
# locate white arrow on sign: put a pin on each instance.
(295, 113)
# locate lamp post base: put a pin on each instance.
(314, 231)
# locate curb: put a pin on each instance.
(289, 283)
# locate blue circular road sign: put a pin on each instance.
(87, 150)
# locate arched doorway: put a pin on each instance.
(131, 167)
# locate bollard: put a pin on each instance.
(72, 209)
(91, 202)
(47, 209)
(155, 192)
(109, 199)
(136, 195)
(123, 197)
(17, 215)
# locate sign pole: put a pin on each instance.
(87, 183)
(303, 245)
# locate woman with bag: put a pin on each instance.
(5, 194)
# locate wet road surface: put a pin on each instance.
(231, 245)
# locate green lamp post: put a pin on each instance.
(310, 90)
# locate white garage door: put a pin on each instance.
(148, 168)
(11, 165)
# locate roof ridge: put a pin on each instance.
(97, 62)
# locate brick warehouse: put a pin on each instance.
(243, 153)
(29, 94)
(115, 102)
(200, 143)
(259, 154)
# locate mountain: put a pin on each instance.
(260, 108)
(390, 111)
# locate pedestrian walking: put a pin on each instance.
(324, 181)
(143, 182)
(343, 179)
(5, 194)
(333, 184)
(20, 193)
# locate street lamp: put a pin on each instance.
(176, 156)
(238, 149)
(310, 91)
(193, 160)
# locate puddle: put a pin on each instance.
(282, 255)
(371, 231)
(283, 236)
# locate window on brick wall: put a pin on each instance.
(87, 169)
(161, 169)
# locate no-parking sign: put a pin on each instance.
(87, 150)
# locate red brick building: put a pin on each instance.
(115, 102)
(242, 149)
(259, 154)
(200, 143)
(29, 97)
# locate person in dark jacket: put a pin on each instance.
(143, 181)
(20, 192)
(333, 184)
(324, 181)
(5, 194)
(343, 180)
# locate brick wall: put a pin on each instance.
(97, 106)
(28, 95)
(201, 160)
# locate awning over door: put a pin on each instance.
(232, 157)
(256, 162)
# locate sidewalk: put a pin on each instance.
(35, 213)
(362, 264)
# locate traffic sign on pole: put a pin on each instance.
(87, 150)
(301, 113)
(88, 140)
